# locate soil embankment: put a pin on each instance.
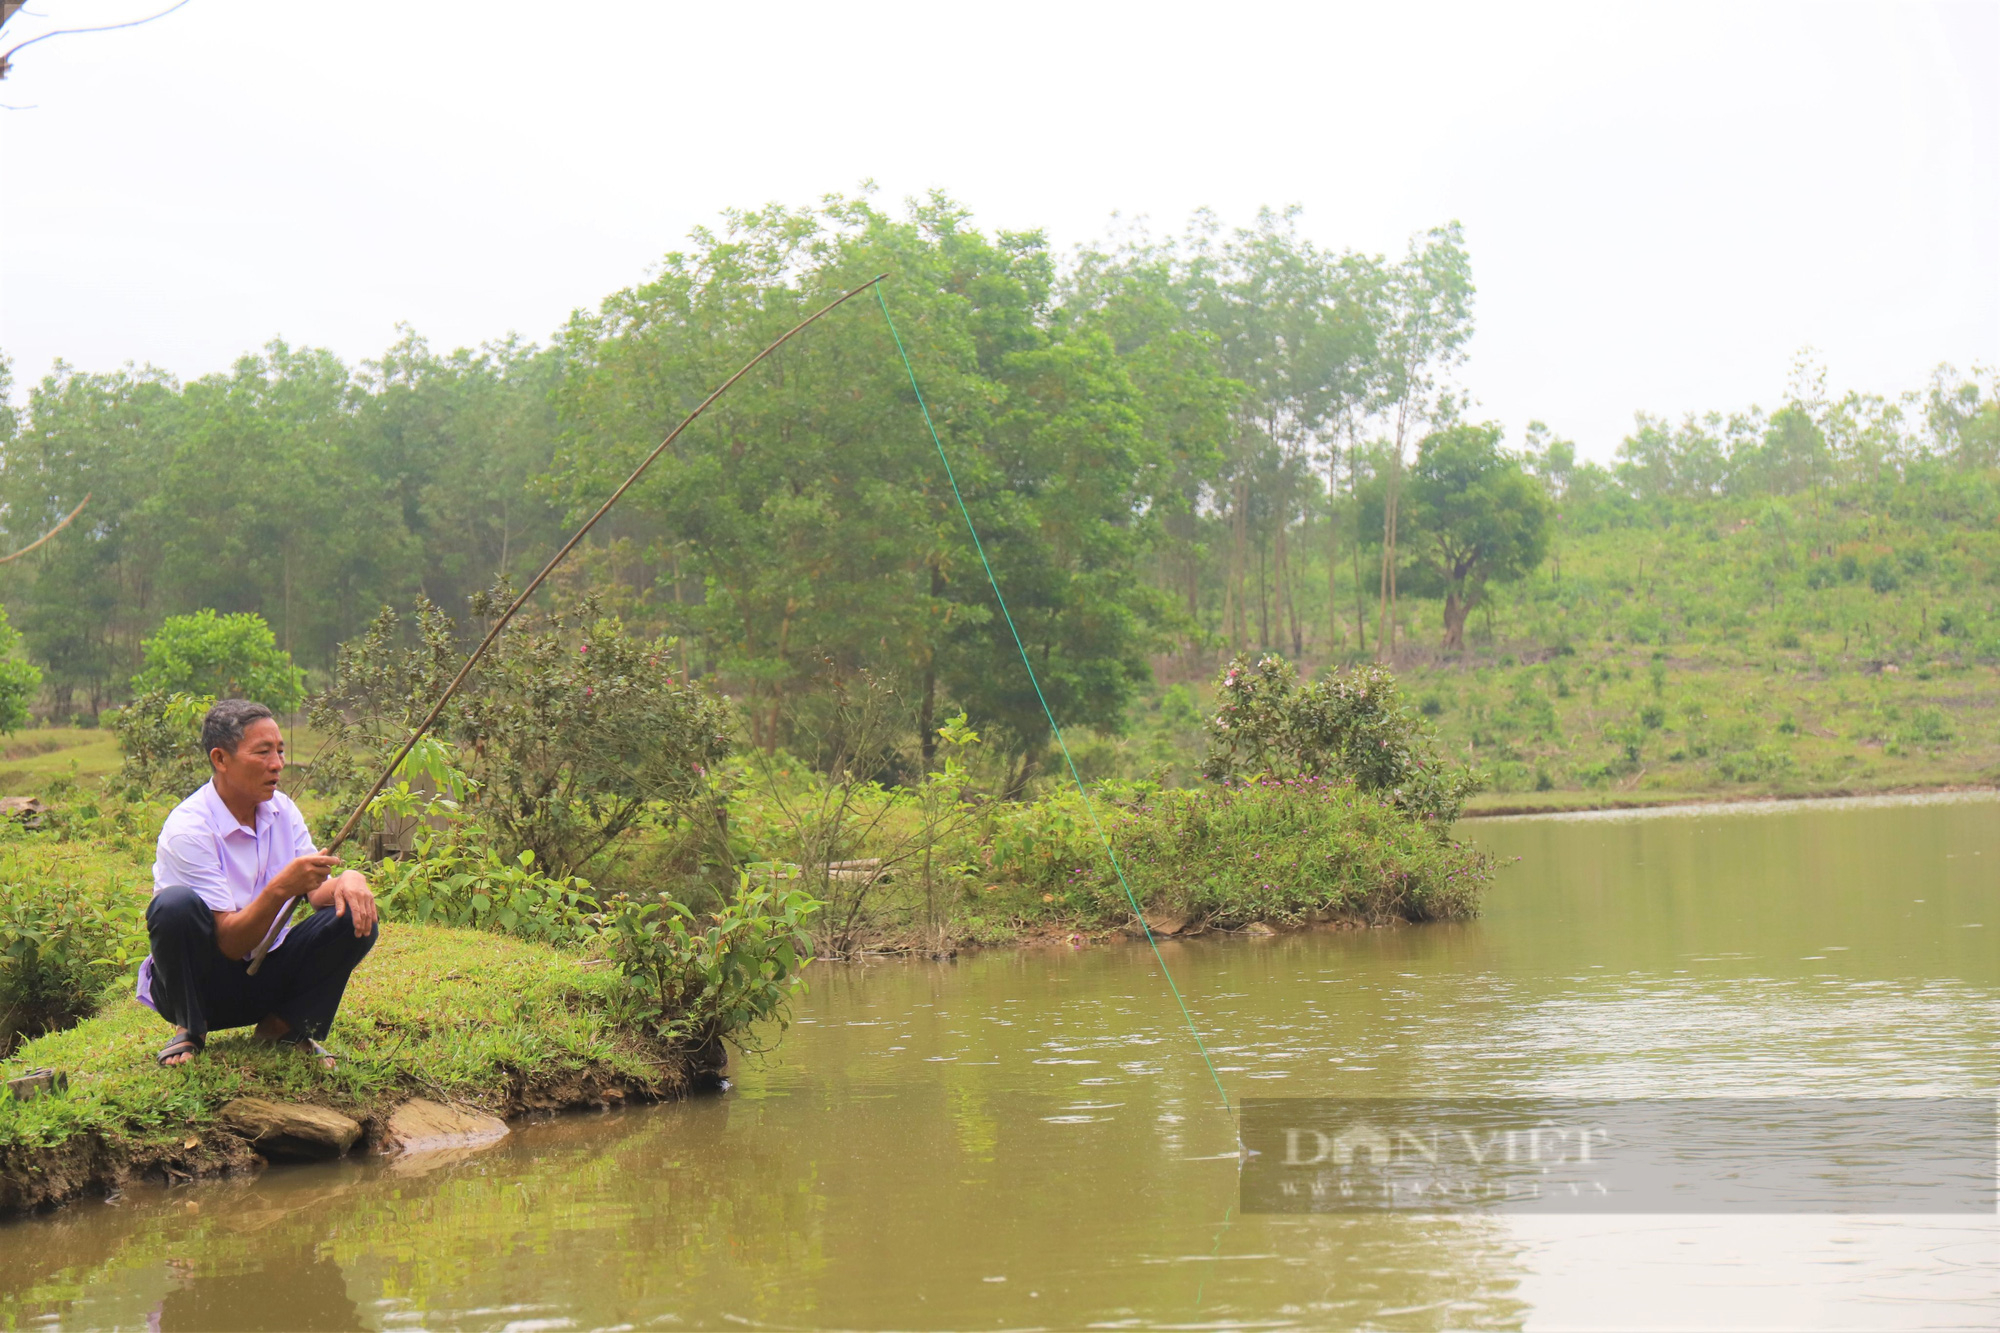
(459, 1017)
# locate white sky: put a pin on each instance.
(1664, 202)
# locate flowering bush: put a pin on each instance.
(569, 730)
(1351, 726)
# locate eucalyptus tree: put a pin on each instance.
(84, 601)
(459, 442)
(267, 504)
(1429, 320)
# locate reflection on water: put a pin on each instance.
(314, 1298)
(1025, 1138)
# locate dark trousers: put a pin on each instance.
(196, 987)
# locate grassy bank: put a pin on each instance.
(453, 1015)
(1276, 852)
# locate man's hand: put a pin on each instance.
(302, 876)
(352, 895)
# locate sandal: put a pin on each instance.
(300, 1042)
(182, 1044)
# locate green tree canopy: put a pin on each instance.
(20, 679)
(226, 657)
(1475, 516)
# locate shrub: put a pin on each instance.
(225, 657)
(1766, 763)
(62, 940)
(570, 728)
(1352, 725)
(692, 982)
(20, 679)
(1927, 726)
(159, 735)
(450, 884)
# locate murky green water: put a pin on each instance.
(1026, 1138)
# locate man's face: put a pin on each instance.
(254, 769)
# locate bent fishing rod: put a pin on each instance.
(437, 709)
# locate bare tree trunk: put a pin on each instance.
(1455, 612)
(1333, 549)
(927, 712)
(1263, 596)
(1385, 639)
(1360, 600)
(1288, 611)
(1232, 598)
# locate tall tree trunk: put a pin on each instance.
(1354, 550)
(1288, 611)
(1455, 612)
(927, 712)
(777, 687)
(1333, 635)
(1385, 638)
(1263, 597)
(1232, 598)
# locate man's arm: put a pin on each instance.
(348, 894)
(237, 933)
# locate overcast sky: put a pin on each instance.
(1664, 202)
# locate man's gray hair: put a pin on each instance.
(223, 728)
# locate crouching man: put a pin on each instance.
(231, 859)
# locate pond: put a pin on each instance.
(1027, 1138)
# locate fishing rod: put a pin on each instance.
(347, 829)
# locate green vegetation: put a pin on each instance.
(1180, 450)
(460, 1015)
(70, 922)
(1281, 851)
(221, 657)
(570, 731)
(20, 680)
(773, 710)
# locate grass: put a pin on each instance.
(30, 759)
(1715, 648)
(1278, 852)
(456, 1015)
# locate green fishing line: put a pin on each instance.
(1089, 807)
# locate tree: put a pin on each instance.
(808, 517)
(1476, 517)
(569, 730)
(266, 504)
(223, 657)
(83, 602)
(20, 679)
(1430, 303)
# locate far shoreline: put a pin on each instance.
(1593, 804)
